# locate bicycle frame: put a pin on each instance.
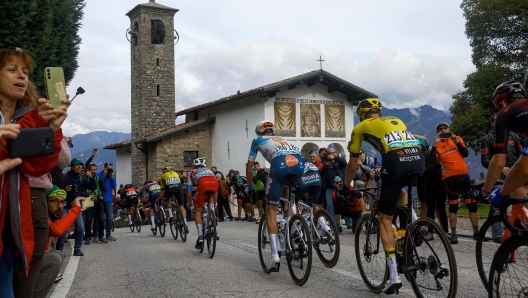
(518, 213)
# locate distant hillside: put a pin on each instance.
(83, 145)
(423, 121)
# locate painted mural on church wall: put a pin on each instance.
(285, 120)
(335, 121)
(310, 120)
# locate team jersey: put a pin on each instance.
(196, 174)
(515, 118)
(309, 167)
(152, 188)
(385, 134)
(270, 147)
(169, 179)
(450, 158)
(130, 193)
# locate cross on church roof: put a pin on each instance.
(320, 62)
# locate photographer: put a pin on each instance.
(97, 210)
(334, 166)
(110, 184)
(260, 177)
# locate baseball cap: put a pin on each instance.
(337, 178)
(76, 161)
(441, 124)
(55, 191)
(331, 146)
(231, 172)
(239, 180)
(121, 185)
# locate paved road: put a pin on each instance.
(141, 265)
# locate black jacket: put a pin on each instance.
(79, 186)
(487, 151)
(336, 168)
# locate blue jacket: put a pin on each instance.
(110, 183)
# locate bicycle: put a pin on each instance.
(325, 238)
(426, 271)
(209, 225)
(507, 276)
(177, 224)
(136, 219)
(162, 219)
(296, 245)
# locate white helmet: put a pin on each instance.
(199, 162)
(263, 125)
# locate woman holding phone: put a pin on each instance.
(23, 223)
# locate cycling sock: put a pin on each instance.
(322, 221)
(390, 254)
(170, 212)
(199, 228)
(453, 230)
(273, 243)
(413, 216)
(130, 219)
(153, 221)
(475, 229)
(185, 221)
(211, 206)
(294, 209)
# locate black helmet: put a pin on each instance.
(129, 185)
(167, 169)
(368, 104)
(506, 90)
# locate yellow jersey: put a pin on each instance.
(169, 179)
(385, 134)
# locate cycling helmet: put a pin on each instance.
(368, 104)
(507, 91)
(199, 162)
(148, 181)
(167, 169)
(263, 125)
(129, 186)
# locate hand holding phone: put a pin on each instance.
(446, 135)
(32, 142)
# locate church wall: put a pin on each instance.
(123, 165)
(152, 170)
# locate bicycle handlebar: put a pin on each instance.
(480, 185)
(503, 207)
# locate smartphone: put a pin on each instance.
(55, 85)
(95, 149)
(375, 160)
(87, 203)
(446, 135)
(32, 142)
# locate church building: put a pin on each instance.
(311, 110)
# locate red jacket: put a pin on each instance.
(15, 188)
(58, 227)
(319, 164)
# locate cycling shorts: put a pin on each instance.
(205, 183)
(460, 184)
(396, 165)
(153, 198)
(281, 167)
(132, 201)
(260, 194)
(309, 182)
(175, 190)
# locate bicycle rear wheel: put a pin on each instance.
(204, 230)
(162, 223)
(370, 256)
(486, 247)
(181, 227)
(174, 224)
(325, 238)
(431, 263)
(264, 247)
(211, 233)
(133, 221)
(300, 257)
(508, 278)
(138, 222)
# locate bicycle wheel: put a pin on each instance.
(204, 229)
(325, 238)
(174, 224)
(264, 247)
(162, 223)
(508, 277)
(370, 256)
(133, 221)
(486, 248)
(211, 233)
(138, 224)
(431, 263)
(300, 257)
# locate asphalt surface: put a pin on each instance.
(143, 265)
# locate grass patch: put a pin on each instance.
(483, 210)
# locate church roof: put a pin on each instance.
(334, 83)
(151, 4)
(118, 145)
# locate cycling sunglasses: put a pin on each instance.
(313, 152)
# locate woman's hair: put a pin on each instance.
(8, 55)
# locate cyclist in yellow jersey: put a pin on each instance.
(400, 156)
(171, 186)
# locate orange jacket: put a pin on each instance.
(451, 156)
(58, 227)
(15, 188)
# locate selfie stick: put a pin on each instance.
(80, 90)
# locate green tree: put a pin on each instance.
(48, 29)
(498, 34)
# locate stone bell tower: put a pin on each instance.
(151, 36)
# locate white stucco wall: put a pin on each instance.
(123, 166)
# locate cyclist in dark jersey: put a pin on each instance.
(510, 99)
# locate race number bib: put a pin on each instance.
(400, 139)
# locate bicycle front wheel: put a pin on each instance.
(508, 270)
(174, 224)
(131, 226)
(181, 227)
(431, 263)
(370, 256)
(325, 238)
(211, 233)
(162, 220)
(487, 246)
(138, 222)
(300, 257)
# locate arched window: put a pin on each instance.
(157, 32)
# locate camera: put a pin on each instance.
(325, 156)
(109, 172)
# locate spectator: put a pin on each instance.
(229, 177)
(334, 166)
(347, 205)
(97, 211)
(18, 105)
(223, 202)
(244, 200)
(215, 170)
(260, 177)
(110, 184)
(76, 186)
(58, 224)
(362, 175)
(316, 159)
(450, 151)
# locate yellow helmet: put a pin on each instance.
(167, 169)
(368, 104)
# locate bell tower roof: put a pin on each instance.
(152, 5)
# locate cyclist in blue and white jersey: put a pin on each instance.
(285, 159)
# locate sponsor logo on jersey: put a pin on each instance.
(291, 160)
(410, 158)
(311, 177)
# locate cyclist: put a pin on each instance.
(171, 185)
(285, 159)
(153, 190)
(131, 197)
(205, 180)
(400, 156)
(509, 99)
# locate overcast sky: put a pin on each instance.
(410, 53)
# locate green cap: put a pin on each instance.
(55, 191)
(239, 180)
(76, 161)
(121, 185)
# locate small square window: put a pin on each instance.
(157, 90)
